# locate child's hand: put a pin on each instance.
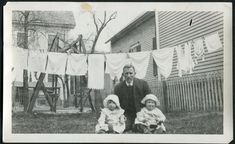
(122, 119)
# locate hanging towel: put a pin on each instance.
(77, 64)
(96, 71)
(164, 58)
(56, 63)
(115, 64)
(213, 42)
(17, 75)
(198, 49)
(140, 60)
(20, 59)
(37, 61)
(185, 63)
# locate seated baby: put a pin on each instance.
(150, 119)
(112, 119)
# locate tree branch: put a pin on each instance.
(112, 16)
(100, 21)
(96, 25)
(104, 17)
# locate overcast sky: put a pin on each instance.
(127, 11)
(85, 26)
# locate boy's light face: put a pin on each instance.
(111, 105)
(150, 104)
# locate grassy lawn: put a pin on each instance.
(176, 123)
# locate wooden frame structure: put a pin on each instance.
(52, 94)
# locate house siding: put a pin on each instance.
(174, 29)
(143, 34)
(46, 30)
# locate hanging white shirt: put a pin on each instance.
(115, 64)
(180, 58)
(164, 59)
(188, 58)
(185, 62)
(17, 75)
(198, 49)
(37, 61)
(56, 63)
(140, 61)
(213, 42)
(77, 64)
(96, 71)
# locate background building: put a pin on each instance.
(201, 90)
(43, 27)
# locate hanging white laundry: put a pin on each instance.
(180, 56)
(198, 49)
(96, 71)
(17, 74)
(185, 63)
(164, 59)
(115, 64)
(188, 58)
(213, 42)
(140, 60)
(56, 63)
(37, 61)
(77, 64)
(20, 58)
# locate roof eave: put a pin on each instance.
(142, 18)
(70, 26)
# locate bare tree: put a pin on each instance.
(99, 26)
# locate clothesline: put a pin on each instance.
(79, 64)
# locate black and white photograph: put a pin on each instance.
(117, 72)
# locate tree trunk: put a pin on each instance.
(67, 89)
(98, 102)
(25, 89)
(77, 85)
(25, 72)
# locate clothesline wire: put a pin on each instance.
(104, 53)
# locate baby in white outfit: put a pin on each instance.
(112, 119)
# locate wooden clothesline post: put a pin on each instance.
(40, 85)
(157, 38)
